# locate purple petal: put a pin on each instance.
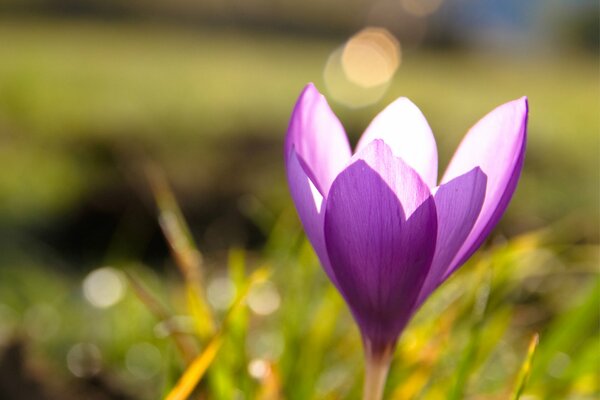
(309, 204)
(380, 233)
(496, 144)
(458, 204)
(404, 129)
(318, 137)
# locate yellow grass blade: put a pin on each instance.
(270, 388)
(196, 370)
(194, 373)
(198, 310)
(187, 256)
(525, 368)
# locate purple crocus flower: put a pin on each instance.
(386, 232)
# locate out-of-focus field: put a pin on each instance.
(83, 103)
(195, 98)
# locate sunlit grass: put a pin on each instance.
(72, 91)
(468, 341)
(76, 88)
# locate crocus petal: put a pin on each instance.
(403, 127)
(496, 144)
(318, 137)
(458, 204)
(309, 204)
(380, 230)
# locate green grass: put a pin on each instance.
(78, 101)
(189, 98)
(469, 340)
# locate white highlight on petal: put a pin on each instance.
(316, 196)
(404, 128)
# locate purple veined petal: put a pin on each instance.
(380, 233)
(318, 137)
(403, 127)
(309, 205)
(458, 204)
(496, 144)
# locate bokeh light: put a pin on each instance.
(264, 299)
(258, 368)
(358, 73)
(410, 29)
(143, 360)
(84, 359)
(421, 8)
(370, 58)
(331, 380)
(104, 287)
(558, 365)
(94, 97)
(221, 292)
(269, 344)
(177, 323)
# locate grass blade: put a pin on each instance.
(196, 370)
(470, 354)
(187, 256)
(270, 388)
(194, 373)
(185, 345)
(525, 368)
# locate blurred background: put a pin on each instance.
(100, 98)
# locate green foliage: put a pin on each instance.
(468, 341)
(65, 86)
(80, 93)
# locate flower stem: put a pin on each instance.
(377, 366)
